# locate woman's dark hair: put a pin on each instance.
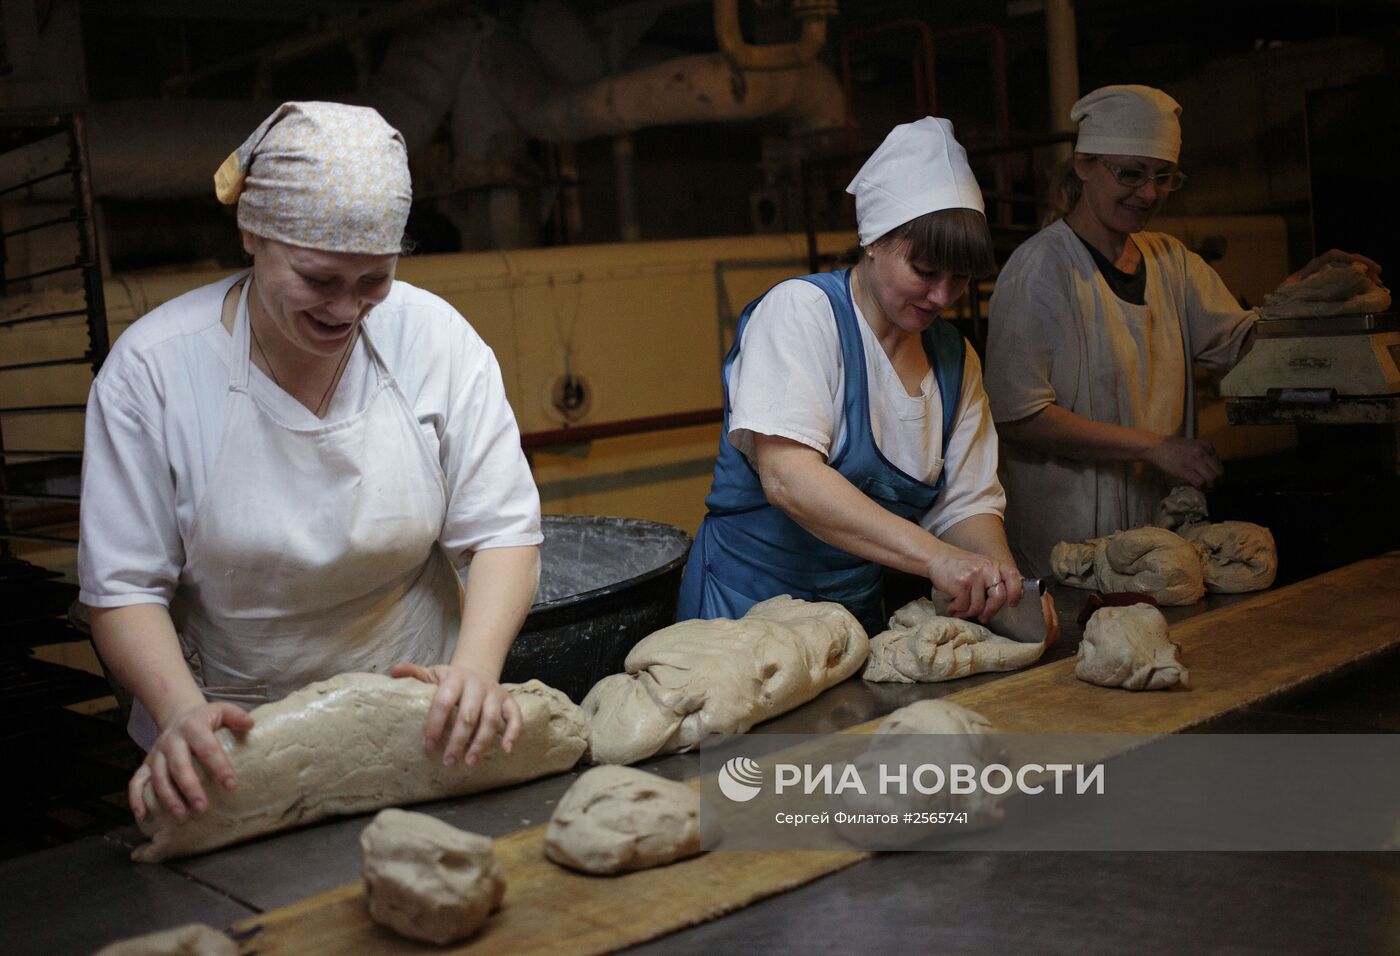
(955, 241)
(1065, 189)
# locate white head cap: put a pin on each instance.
(919, 168)
(1128, 121)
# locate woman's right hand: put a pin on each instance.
(978, 585)
(1192, 460)
(170, 766)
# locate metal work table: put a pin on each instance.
(76, 898)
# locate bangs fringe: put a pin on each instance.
(955, 241)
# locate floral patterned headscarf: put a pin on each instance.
(323, 176)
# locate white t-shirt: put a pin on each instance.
(788, 381)
(155, 418)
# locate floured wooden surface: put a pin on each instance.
(549, 909)
(1253, 649)
(1237, 655)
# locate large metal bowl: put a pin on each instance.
(605, 583)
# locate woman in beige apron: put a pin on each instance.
(1093, 329)
(315, 545)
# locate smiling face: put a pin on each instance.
(315, 300)
(910, 294)
(1122, 210)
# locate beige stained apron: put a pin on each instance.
(313, 551)
(1132, 370)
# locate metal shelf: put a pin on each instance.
(19, 130)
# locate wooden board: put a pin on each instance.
(549, 909)
(1236, 656)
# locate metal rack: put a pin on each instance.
(20, 131)
(67, 797)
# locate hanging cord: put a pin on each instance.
(573, 395)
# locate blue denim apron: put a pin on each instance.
(747, 551)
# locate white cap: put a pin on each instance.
(1128, 121)
(919, 168)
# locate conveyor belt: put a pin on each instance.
(1237, 655)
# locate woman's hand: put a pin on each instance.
(468, 709)
(978, 585)
(1192, 460)
(170, 766)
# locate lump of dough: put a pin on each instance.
(1183, 507)
(926, 731)
(697, 678)
(616, 819)
(1128, 647)
(1073, 562)
(193, 939)
(1143, 561)
(428, 880)
(922, 647)
(1338, 288)
(1239, 556)
(351, 744)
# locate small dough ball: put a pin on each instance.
(1128, 647)
(1183, 507)
(614, 819)
(192, 939)
(926, 731)
(426, 879)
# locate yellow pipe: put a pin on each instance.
(778, 56)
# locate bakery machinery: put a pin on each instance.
(1326, 370)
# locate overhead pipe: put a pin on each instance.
(702, 88)
(1062, 49)
(777, 56)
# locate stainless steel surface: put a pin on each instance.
(76, 898)
(1073, 903)
(1384, 410)
(1329, 325)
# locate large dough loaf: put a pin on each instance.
(697, 678)
(1141, 561)
(1238, 556)
(1338, 288)
(351, 744)
(922, 646)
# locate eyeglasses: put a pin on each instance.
(1130, 177)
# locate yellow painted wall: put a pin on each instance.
(648, 324)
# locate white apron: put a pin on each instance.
(313, 551)
(1130, 368)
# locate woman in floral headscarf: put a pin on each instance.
(284, 470)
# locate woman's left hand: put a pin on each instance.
(468, 709)
(1331, 256)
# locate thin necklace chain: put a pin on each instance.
(335, 377)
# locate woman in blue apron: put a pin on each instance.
(284, 470)
(856, 432)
